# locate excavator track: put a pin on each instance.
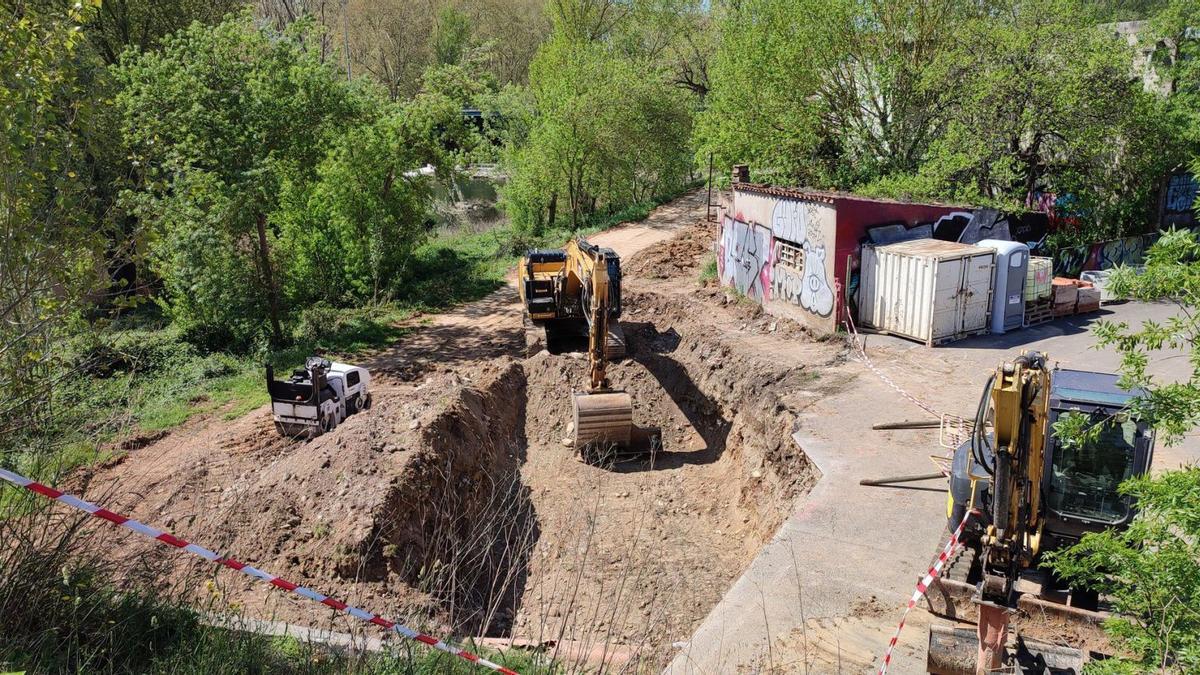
(603, 418)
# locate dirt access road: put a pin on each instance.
(492, 327)
(454, 502)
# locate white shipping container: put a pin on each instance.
(926, 289)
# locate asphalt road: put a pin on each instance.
(825, 594)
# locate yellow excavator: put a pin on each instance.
(1026, 492)
(576, 291)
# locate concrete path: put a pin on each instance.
(824, 595)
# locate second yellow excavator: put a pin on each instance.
(576, 290)
(1024, 492)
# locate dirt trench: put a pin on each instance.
(455, 503)
(505, 532)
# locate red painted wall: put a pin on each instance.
(856, 216)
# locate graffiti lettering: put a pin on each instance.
(816, 296)
(786, 284)
(1181, 193)
(744, 259)
(950, 227)
(1069, 262)
(1127, 251)
(789, 220)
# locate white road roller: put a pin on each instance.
(317, 397)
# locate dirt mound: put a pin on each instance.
(381, 510)
(677, 258)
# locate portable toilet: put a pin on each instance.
(1008, 286)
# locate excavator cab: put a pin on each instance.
(1080, 484)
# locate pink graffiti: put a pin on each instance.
(764, 275)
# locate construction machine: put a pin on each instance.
(1026, 492)
(317, 397)
(576, 291)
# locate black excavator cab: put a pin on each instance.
(1080, 484)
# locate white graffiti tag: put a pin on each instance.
(789, 220)
(816, 296)
(786, 284)
(745, 257)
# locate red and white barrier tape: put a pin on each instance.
(862, 353)
(923, 586)
(166, 538)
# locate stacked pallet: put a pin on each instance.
(1064, 294)
(1038, 311)
(1072, 296)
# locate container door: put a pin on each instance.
(977, 292)
(868, 312)
(947, 298)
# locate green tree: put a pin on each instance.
(351, 233)
(451, 35)
(1152, 570)
(1172, 273)
(51, 260)
(760, 107)
(609, 128)
(826, 93)
(1039, 97)
(220, 119)
(1176, 62)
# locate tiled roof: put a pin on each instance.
(828, 196)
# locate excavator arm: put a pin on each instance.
(590, 267)
(1016, 404)
(1020, 420)
(602, 416)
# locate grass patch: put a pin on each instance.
(68, 617)
(708, 271)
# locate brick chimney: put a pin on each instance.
(741, 173)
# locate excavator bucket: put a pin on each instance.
(955, 651)
(602, 419)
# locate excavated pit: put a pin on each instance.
(457, 503)
(504, 530)
(479, 516)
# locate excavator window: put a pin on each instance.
(1085, 477)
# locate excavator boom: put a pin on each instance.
(1028, 492)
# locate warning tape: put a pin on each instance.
(862, 352)
(167, 538)
(923, 586)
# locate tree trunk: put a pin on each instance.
(264, 256)
(553, 209)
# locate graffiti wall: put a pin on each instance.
(1070, 262)
(1179, 200)
(744, 257)
(775, 250)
